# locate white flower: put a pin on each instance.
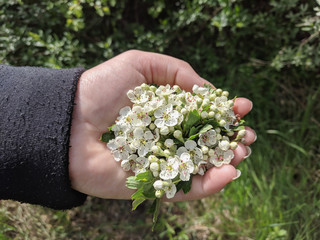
(125, 117)
(119, 148)
(140, 117)
(135, 164)
(191, 148)
(139, 96)
(169, 169)
(200, 90)
(166, 116)
(221, 157)
(164, 90)
(186, 166)
(143, 141)
(171, 190)
(207, 138)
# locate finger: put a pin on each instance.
(240, 153)
(242, 106)
(250, 136)
(162, 69)
(212, 182)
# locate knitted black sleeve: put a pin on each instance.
(35, 119)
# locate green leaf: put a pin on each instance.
(205, 108)
(107, 136)
(146, 176)
(137, 202)
(138, 194)
(132, 183)
(202, 130)
(192, 119)
(148, 190)
(238, 128)
(185, 185)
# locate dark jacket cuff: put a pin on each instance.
(36, 111)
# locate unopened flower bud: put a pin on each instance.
(155, 173)
(195, 170)
(230, 103)
(158, 185)
(205, 157)
(152, 126)
(211, 152)
(218, 116)
(167, 152)
(218, 136)
(224, 145)
(176, 88)
(233, 145)
(204, 149)
(222, 122)
(213, 108)
(230, 134)
(153, 88)
(218, 92)
(177, 134)
(211, 114)
(153, 158)
(184, 111)
(144, 86)
(164, 130)
(159, 193)
(218, 130)
(225, 93)
(155, 149)
(241, 133)
(204, 114)
(154, 167)
(212, 96)
(169, 143)
(205, 102)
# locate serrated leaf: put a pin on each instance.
(132, 183)
(202, 130)
(107, 136)
(137, 202)
(138, 194)
(145, 176)
(148, 190)
(185, 185)
(238, 128)
(192, 119)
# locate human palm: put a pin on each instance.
(101, 94)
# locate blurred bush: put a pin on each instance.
(218, 38)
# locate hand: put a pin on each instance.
(101, 94)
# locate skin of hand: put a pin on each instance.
(101, 93)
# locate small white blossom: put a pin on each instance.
(169, 169)
(140, 117)
(171, 190)
(186, 166)
(207, 138)
(139, 96)
(166, 116)
(119, 148)
(224, 145)
(164, 90)
(221, 157)
(191, 148)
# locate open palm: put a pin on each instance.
(101, 94)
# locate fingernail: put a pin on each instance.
(255, 138)
(251, 105)
(249, 151)
(238, 175)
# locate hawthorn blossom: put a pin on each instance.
(140, 117)
(221, 157)
(143, 141)
(208, 138)
(186, 166)
(191, 148)
(166, 116)
(170, 168)
(139, 96)
(135, 164)
(120, 148)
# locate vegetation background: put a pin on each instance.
(265, 50)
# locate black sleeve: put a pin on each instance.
(35, 119)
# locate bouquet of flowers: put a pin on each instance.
(169, 135)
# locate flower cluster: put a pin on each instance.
(169, 135)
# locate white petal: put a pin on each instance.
(171, 122)
(125, 164)
(185, 157)
(159, 122)
(138, 133)
(181, 150)
(171, 191)
(190, 144)
(125, 111)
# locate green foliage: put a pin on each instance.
(268, 51)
